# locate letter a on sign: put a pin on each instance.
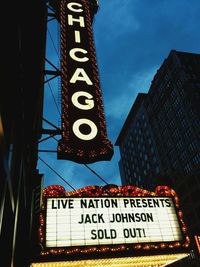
(84, 137)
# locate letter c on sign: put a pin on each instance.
(82, 136)
(89, 103)
(70, 6)
(72, 54)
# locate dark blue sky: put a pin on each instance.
(132, 39)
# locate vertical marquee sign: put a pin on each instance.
(84, 137)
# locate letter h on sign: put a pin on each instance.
(84, 138)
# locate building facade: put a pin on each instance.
(21, 105)
(160, 140)
(140, 162)
(22, 66)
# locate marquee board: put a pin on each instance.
(111, 218)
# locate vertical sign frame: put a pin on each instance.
(84, 137)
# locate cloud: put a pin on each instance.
(120, 20)
(120, 104)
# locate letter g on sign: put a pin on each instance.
(89, 102)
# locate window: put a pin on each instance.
(196, 123)
(193, 146)
(179, 113)
(174, 165)
(192, 114)
(184, 124)
(154, 159)
(149, 141)
(148, 166)
(176, 103)
(188, 168)
(165, 134)
(175, 134)
(173, 94)
(142, 163)
(182, 92)
(187, 134)
(152, 150)
(171, 155)
(183, 156)
(132, 145)
(168, 144)
(179, 145)
(157, 170)
(172, 123)
(179, 83)
(196, 159)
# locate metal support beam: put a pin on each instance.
(55, 73)
(54, 126)
(50, 63)
(45, 150)
(51, 132)
(52, 72)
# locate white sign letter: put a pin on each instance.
(77, 36)
(70, 6)
(73, 51)
(89, 103)
(80, 20)
(82, 136)
(83, 76)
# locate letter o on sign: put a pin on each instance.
(77, 132)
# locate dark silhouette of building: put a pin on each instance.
(23, 39)
(160, 140)
(139, 164)
(22, 68)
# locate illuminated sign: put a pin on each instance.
(142, 261)
(84, 137)
(111, 218)
(197, 240)
(100, 221)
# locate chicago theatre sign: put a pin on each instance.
(84, 138)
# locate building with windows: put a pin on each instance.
(160, 140)
(139, 164)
